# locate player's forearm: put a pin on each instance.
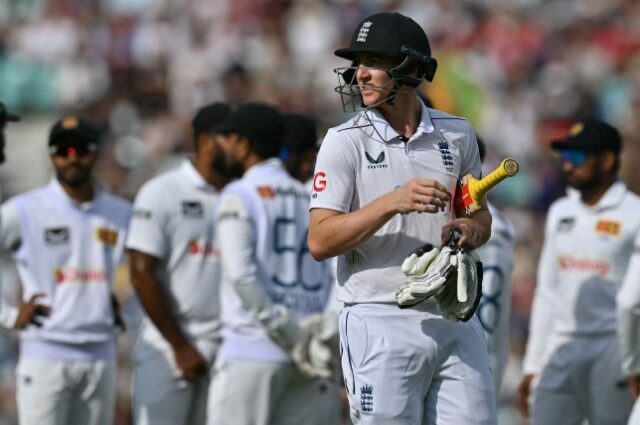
(483, 219)
(155, 303)
(335, 234)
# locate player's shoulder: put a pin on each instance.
(566, 204)
(37, 196)
(162, 183)
(444, 121)
(116, 205)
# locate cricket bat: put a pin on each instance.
(471, 192)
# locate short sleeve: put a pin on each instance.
(147, 229)
(334, 179)
(471, 161)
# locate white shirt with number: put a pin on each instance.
(68, 252)
(364, 159)
(583, 262)
(271, 209)
(494, 310)
(173, 220)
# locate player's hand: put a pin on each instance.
(190, 362)
(523, 394)
(31, 313)
(634, 385)
(420, 195)
(470, 230)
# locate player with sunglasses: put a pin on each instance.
(67, 238)
(573, 366)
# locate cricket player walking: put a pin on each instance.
(383, 186)
(273, 292)
(66, 238)
(573, 359)
(175, 270)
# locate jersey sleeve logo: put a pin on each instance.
(319, 181)
(107, 236)
(56, 236)
(192, 209)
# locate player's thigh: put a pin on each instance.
(308, 401)
(610, 399)
(384, 357)
(42, 392)
(555, 398)
(160, 396)
(246, 392)
(94, 403)
(462, 390)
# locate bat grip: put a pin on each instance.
(479, 188)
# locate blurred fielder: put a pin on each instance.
(494, 310)
(67, 239)
(573, 359)
(5, 117)
(382, 187)
(175, 270)
(273, 293)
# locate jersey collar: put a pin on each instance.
(612, 197)
(263, 165)
(189, 170)
(388, 134)
(59, 192)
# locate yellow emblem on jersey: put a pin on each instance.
(107, 236)
(608, 227)
(69, 122)
(576, 129)
(266, 192)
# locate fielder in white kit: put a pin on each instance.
(273, 292)
(494, 310)
(67, 238)
(383, 186)
(175, 270)
(573, 359)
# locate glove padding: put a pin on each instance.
(459, 302)
(429, 269)
(452, 276)
(312, 353)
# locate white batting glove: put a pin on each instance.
(312, 354)
(459, 302)
(427, 275)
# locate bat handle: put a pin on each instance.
(507, 168)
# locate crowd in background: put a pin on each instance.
(519, 70)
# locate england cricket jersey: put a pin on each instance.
(173, 220)
(494, 310)
(364, 159)
(68, 252)
(263, 220)
(583, 262)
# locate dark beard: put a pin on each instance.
(82, 176)
(232, 171)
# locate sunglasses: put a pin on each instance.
(72, 150)
(574, 157)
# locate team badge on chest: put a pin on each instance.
(107, 236)
(56, 236)
(192, 209)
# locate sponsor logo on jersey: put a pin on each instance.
(566, 224)
(376, 162)
(366, 398)
(192, 209)
(203, 249)
(107, 236)
(567, 262)
(143, 214)
(445, 154)
(75, 275)
(56, 236)
(319, 182)
(608, 227)
(266, 192)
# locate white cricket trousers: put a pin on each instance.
(246, 392)
(63, 392)
(411, 367)
(160, 395)
(582, 380)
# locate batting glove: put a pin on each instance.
(459, 302)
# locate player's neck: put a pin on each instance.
(592, 195)
(80, 194)
(211, 176)
(251, 160)
(404, 115)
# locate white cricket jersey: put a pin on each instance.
(67, 251)
(494, 310)
(273, 261)
(583, 262)
(364, 159)
(173, 220)
(628, 300)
